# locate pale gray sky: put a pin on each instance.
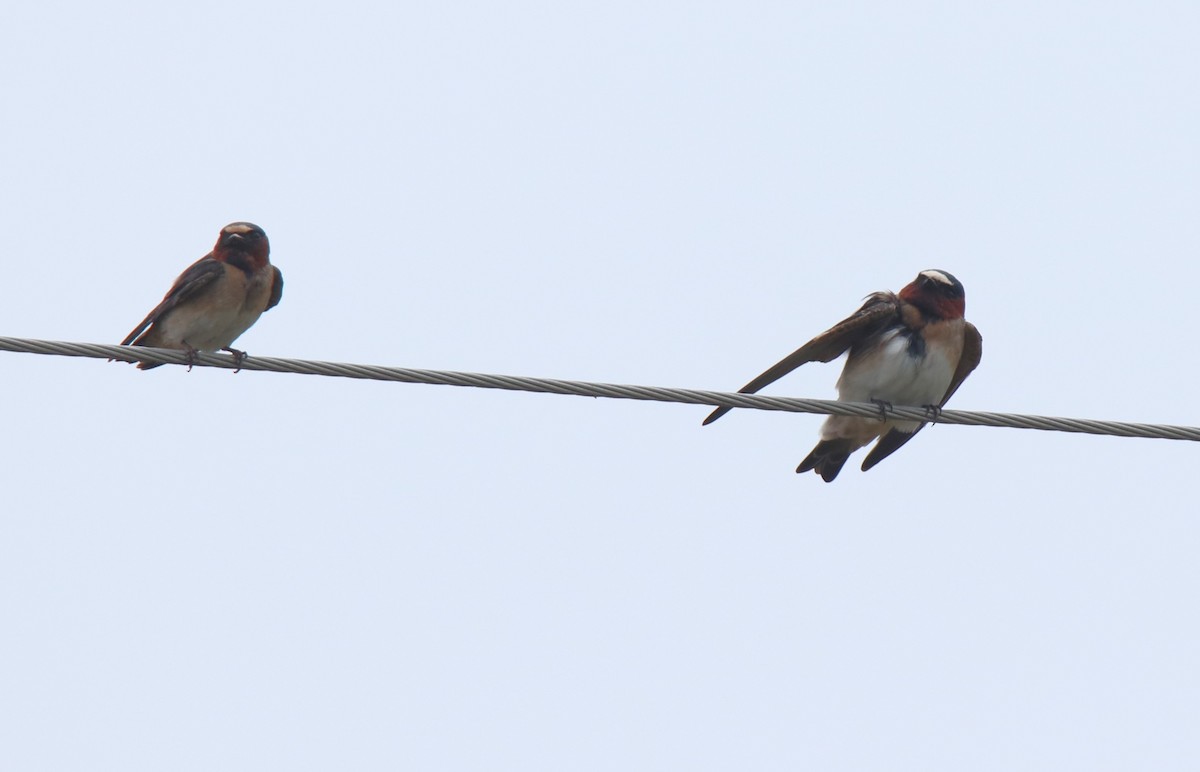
(213, 571)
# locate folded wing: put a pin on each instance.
(892, 441)
(199, 275)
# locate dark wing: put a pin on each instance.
(880, 308)
(199, 275)
(971, 354)
(276, 288)
(892, 441)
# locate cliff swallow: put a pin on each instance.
(216, 299)
(909, 348)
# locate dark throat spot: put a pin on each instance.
(916, 344)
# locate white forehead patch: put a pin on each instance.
(938, 276)
(240, 227)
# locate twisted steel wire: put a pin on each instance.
(610, 390)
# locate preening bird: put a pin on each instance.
(910, 348)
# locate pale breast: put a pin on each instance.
(215, 319)
(900, 373)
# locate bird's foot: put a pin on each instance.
(884, 407)
(238, 358)
(933, 412)
(191, 354)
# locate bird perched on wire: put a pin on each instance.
(216, 299)
(908, 348)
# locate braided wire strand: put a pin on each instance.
(608, 390)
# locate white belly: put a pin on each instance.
(888, 372)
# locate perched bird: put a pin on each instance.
(908, 348)
(216, 299)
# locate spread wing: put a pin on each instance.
(199, 275)
(892, 441)
(276, 288)
(878, 311)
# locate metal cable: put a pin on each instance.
(612, 390)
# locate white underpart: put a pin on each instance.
(890, 373)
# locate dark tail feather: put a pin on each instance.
(827, 458)
(143, 365)
(887, 445)
(140, 365)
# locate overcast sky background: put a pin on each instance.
(257, 571)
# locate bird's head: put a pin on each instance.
(243, 244)
(936, 293)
